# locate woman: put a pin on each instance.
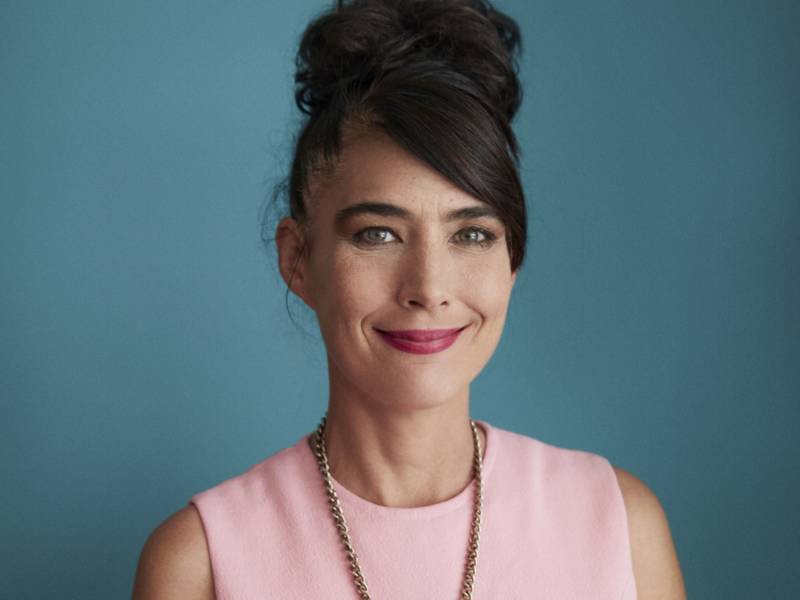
(405, 236)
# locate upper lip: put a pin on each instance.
(421, 335)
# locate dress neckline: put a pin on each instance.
(352, 503)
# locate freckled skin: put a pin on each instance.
(421, 276)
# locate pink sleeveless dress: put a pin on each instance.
(553, 527)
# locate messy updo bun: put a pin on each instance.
(438, 76)
(360, 41)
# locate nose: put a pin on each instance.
(425, 277)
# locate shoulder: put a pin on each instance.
(655, 563)
(174, 562)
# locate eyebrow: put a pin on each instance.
(386, 209)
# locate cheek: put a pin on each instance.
(352, 288)
(488, 288)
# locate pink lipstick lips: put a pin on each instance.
(421, 341)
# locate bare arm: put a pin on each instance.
(655, 563)
(174, 563)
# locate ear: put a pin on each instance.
(293, 258)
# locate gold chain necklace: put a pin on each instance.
(317, 442)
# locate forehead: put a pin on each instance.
(373, 167)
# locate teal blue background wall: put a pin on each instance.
(145, 349)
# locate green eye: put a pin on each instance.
(373, 236)
(478, 236)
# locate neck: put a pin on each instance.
(401, 458)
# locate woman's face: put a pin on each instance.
(390, 252)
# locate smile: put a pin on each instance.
(422, 341)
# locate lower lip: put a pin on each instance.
(430, 347)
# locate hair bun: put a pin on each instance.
(361, 40)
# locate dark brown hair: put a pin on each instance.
(438, 76)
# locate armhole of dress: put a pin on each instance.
(629, 592)
(212, 562)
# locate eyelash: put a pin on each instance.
(488, 237)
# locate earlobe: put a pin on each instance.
(292, 258)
